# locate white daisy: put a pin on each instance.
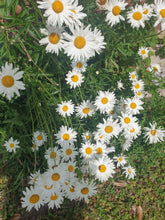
(126, 120)
(138, 85)
(148, 11)
(44, 185)
(68, 153)
(66, 108)
(9, 83)
(34, 177)
(82, 44)
(53, 156)
(154, 134)
(86, 189)
(133, 76)
(121, 106)
(98, 137)
(101, 3)
(105, 101)
(79, 65)
(32, 198)
(109, 129)
(53, 39)
(120, 160)
(143, 52)
(55, 199)
(87, 150)
(74, 79)
(11, 145)
(87, 136)
(156, 68)
(134, 105)
(39, 138)
(71, 189)
(114, 8)
(57, 11)
(101, 150)
(34, 147)
(99, 40)
(136, 16)
(66, 136)
(103, 168)
(85, 109)
(139, 94)
(120, 85)
(159, 8)
(127, 144)
(133, 131)
(129, 172)
(70, 168)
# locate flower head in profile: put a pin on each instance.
(9, 81)
(11, 145)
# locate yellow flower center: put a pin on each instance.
(108, 129)
(99, 150)
(79, 65)
(133, 76)
(120, 159)
(79, 42)
(85, 191)
(86, 110)
(101, 136)
(127, 120)
(34, 146)
(11, 145)
(155, 68)
(88, 137)
(162, 13)
(52, 155)
(72, 189)
(143, 52)
(36, 179)
(153, 132)
(137, 86)
(88, 150)
(65, 108)
(34, 198)
(137, 16)
(57, 6)
(104, 100)
(129, 170)
(39, 137)
(124, 106)
(70, 168)
(68, 152)
(74, 78)
(55, 177)
(102, 168)
(139, 93)
(133, 105)
(66, 136)
(116, 10)
(112, 112)
(7, 81)
(73, 11)
(132, 130)
(102, 2)
(145, 11)
(48, 188)
(54, 197)
(54, 38)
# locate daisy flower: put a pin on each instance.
(156, 68)
(127, 144)
(34, 177)
(99, 40)
(86, 189)
(109, 129)
(87, 136)
(71, 190)
(53, 39)
(103, 168)
(101, 150)
(57, 11)
(70, 167)
(129, 172)
(53, 156)
(85, 109)
(105, 101)
(120, 85)
(101, 3)
(126, 120)
(79, 65)
(134, 105)
(138, 85)
(114, 9)
(66, 108)
(34, 147)
(87, 150)
(55, 199)
(39, 138)
(133, 131)
(45, 185)
(154, 134)
(139, 94)
(136, 16)
(74, 79)
(11, 145)
(66, 136)
(159, 8)
(68, 152)
(81, 45)
(133, 76)
(9, 83)
(121, 106)
(148, 11)
(120, 160)
(32, 199)
(143, 52)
